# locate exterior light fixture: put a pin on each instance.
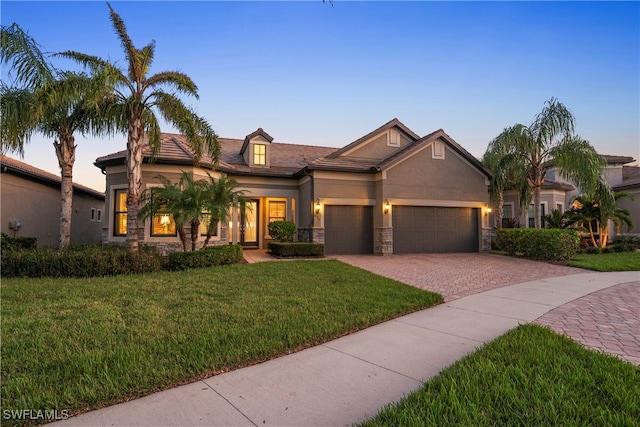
(317, 207)
(487, 211)
(387, 206)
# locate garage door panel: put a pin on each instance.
(426, 229)
(348, 230)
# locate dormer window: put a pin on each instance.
(259, 154)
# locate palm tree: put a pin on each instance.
(183, 200)
(592, 212)
(556, 219)
(139, 97)
(221, 195)
(503, 179)
(51, 102)
(548, 141)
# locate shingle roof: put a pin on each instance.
(10, 165)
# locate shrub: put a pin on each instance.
(547, 244)
(626, 243)
(593, 250)
(8, 243)
(282, 231)
(297, 249)
(207, 257)
(79, 261)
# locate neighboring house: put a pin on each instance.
(559, 193)
(31, 198)
(390, 191)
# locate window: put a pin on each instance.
(560, 207)
(259, 154)
(120, 213)
(93, 214)
(163, 225)
(507, 215)
(99, 217)
(204, 224)
(542, 214)
(277, 211)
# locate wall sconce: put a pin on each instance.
(387, 206)
(487, 211)
(317, 206)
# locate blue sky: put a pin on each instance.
(316, 74)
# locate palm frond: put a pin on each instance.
(29, 65)
(179, 81)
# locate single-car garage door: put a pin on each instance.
(348, 230)
(425, 229)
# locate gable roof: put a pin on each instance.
(290, 160)
(428, 139)
(25, 170)
(389, 125)
(257, 132)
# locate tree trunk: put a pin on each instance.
(66, 153)
(183, 238)
(195, 228)
(499, 209)
(134, 177)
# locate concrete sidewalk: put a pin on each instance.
(351, 378)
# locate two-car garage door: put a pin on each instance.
(427, 229)
(416, 229)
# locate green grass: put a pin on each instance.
(528, 377)
(79, 344)
(616, 261)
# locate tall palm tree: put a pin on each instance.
(503, 179)
(548, 141)
(54, 103)
(222, 194)
(139, 97)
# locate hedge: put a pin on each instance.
(282, 231)
(79, 261)
(207, 257)
(8, 243)
(543, 244)
(296, 249)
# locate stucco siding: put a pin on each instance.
(37, 207)
(325, 188)
(422, 177)
(377, 148)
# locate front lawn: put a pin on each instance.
(529, 376)
(615, 261)
(79, 344)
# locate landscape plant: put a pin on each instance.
(138, 100)
(282, 231)
(528, 152)
(543, 244)
(55, 103)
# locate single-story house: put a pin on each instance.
(390, 191)
(31, 205)
(558, 193)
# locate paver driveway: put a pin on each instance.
(606, 320)
(457, 275)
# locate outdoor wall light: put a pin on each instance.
(318, 206)
(387, 206)
(487, 211)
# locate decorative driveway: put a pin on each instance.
(457, 275)
(606, 320)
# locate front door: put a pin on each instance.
(249, 224)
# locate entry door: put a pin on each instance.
(249, 224)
